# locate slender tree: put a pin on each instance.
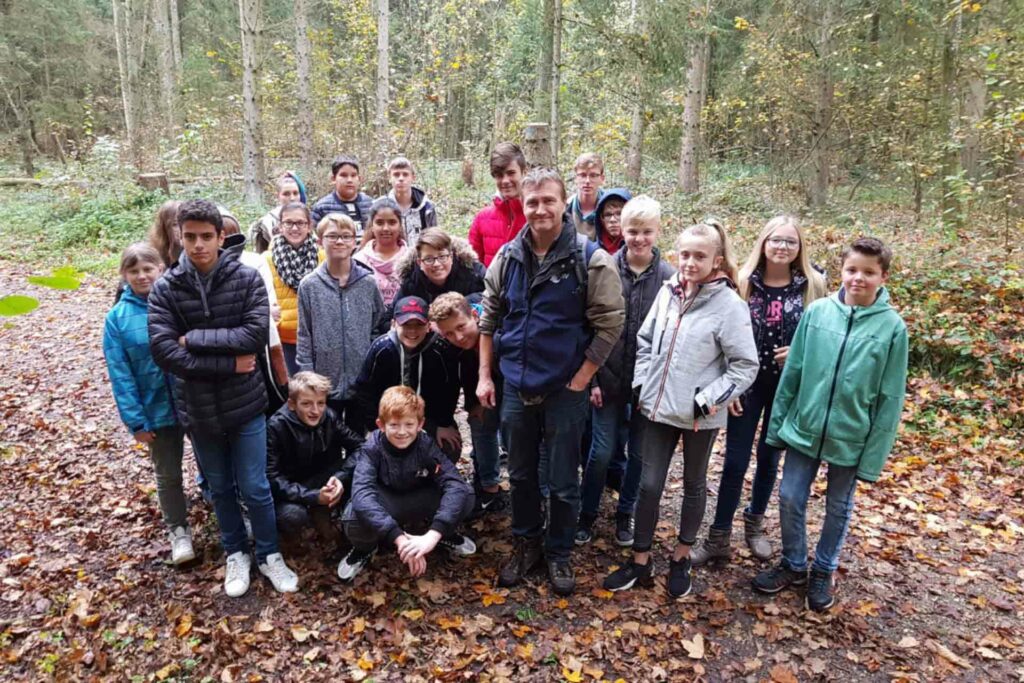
(556, 76)
(253, 172)
(821, 121)
(303, 68)
(165, 62)
(689, 169)
(383, 73)
(542, 93)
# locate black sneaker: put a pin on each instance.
(623, 531)
(458, 545)
(629, 574)
(679, 583)
(353, 563)
(584, 531)
(526, 555)
(562, 579)
(777, 578)
(820, 595)
(489, 502)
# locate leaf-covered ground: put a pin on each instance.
(932, 586)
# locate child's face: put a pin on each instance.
(288, 193)
(436, 264)
(294, 226)
(640, 238)
(507, 181)
(400, 430)
(338, 243)
(862, 276)
(401, 179)
(611, 214)
(460, 330)
(588, 181)
(346, 182)
(697, 257)
(309, 406)
(142, 275)
(201, 243)
(386, 227)
(412, 332)
(782, 246)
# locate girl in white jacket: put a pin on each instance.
(695, 352)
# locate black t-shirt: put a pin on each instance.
(771, 333)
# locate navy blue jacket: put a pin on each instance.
(358, 209)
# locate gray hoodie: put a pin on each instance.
(338, 324)
(695, 353)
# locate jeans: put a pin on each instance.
(798, 472)
(412, 510)
(292, 518)
(239, 458)
(738, 442)
(484, 433)
(166, 452)
(658, 443)
(556, 424)
(289, 358)
(612, 432)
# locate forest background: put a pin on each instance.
(898, 118)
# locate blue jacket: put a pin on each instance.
(623, 195)
(358, 210)
(141, 388)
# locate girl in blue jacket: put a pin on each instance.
(142, 393)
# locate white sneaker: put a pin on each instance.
(353, 563)
(283, 578)
(181, 546)
(236, 576)
(458, 544)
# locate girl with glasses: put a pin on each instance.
(441, 263)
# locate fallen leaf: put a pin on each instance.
(493, 599)
(574, 676)
(947, 654)
(694, 648)
(301, 633)
(358, 625)
(168, 671)
(184, 625)
(365, 663)
(907, 642)
(780, 673)
(413, 614)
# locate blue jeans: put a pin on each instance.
(557, 424)
(798, 472)
(290, 351)
(613, 431)
(739, 440)
(484, 433)
(239, 456)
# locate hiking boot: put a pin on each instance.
(679, 583)
(526, 555)
(584, 531)
(820, 591)
(623, 531)
(629, 574)
(458, 545)
(489, 502)
(757, 540)
(715, 547)
(353, 563)
(777, 578)
(562, 579)
(181, 546)
(280, 574)
(236, 574)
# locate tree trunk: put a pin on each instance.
(635, 149)
(303, 67)
(165, 61)
(817, 191)
(950, 121)
(556, 77)
(253, 172)
(381, 121)
(176, 38)
(542, 95)
(122, 42)
(689, 180)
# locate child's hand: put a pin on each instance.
(596, 399)
(736, 407)
(780, 355)
(142, 436)
(331, 492)
(449, 439)
(712, 409)
(418, 546)
(417, 566)
(485, 391)
(181, 341)
(245, 364)
(275, 312)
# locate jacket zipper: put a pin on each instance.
(835, 379)
(671, 347)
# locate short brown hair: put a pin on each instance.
(400, 402)
(308, 381)
(401, 162)
(538, 176)
(504, 155)
(449, 304)
(140, 251)
(587, 160)
(433, 237)
(869, 246)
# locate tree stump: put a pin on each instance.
(154, 181)
(537, 146)
(467, 171)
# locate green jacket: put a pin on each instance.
(842, 388)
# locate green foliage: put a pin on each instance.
(17, 304)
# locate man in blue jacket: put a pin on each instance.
(553, 310)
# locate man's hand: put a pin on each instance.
(596, 399)
(330, 493)
(581, 379)
(781, 354)
(736, 407)
(449, 439)
(142, 436)
(245, 364)
(485, 391)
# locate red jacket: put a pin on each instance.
(494, 226)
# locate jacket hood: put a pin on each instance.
(358, 272)
(461, 252)
(619, 193)
(652, 267)
(880, 305)
(705, 291)
(131, 297)
(419, 198)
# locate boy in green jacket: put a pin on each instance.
(839, 401)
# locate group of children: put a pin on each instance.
(362, 316)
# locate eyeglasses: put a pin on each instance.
(294, 225)
(588, 176)
(783, 243)
(434, 260)
(334, 239)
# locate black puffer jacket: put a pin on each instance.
(379, 465)
(466, 276)
(639, 291)
(221, 316)
(298, 454)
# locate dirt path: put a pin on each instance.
(930, 589)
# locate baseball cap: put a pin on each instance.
(410, 308)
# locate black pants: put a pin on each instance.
(413, 510)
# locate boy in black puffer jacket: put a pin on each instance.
(309, 473)
(404, 482)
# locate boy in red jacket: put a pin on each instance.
(499, 223)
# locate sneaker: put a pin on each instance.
(584, 532)
(526, 555)
(820, 594)
(353, 563)
(679, 583)
(181, 546)
(624, 531)
(457, 544)
(489, 502)
(236, 575)
(280, 575)
(629, 574)
(561, 576)
(773, 580)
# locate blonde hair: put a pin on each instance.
(449, 304)
(712, 229)
(308, 381)
(588, 160)
(140, 251)
(399, 402)
(641, 209)
(816, 286)
(337, 220)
